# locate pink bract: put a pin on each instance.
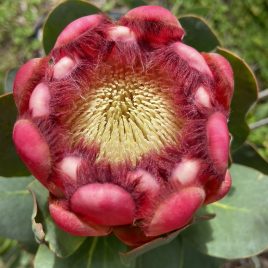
(125, 125)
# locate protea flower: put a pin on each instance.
(125, 125)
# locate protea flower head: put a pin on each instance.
(125, 125)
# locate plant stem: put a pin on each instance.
(263, 94)
(261, 123)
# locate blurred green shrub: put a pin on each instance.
(18, 39)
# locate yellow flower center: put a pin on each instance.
(128, 114)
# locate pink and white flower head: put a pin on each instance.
(125, 125)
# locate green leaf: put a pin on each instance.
(198, 33)
(61, 16)
(10, 164)
(15, 209)
(247, 155)
(170, 256)
(44, 258)
(94, 253)
(60, 242)
(9, 79)
(192, 258)
(239, 229)
(245, 95)
(104, 252)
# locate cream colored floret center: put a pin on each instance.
(128, 114)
